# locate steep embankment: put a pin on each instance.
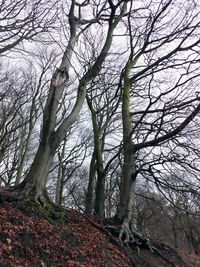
(33, 236)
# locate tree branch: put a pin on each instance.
(169, 135)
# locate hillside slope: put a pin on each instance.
(33, 236)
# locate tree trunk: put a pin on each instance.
(174, 233)
(51, 138)
(60, 177)
(127, 191)
(108, 199)
(89, 205)
(24, 154)
(100, 194)
(35, 182)
(99, 206)
(31, 124)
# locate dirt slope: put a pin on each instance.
(33, 236)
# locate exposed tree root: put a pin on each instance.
(111, 237)
(131, 237)
(7, 197)
(25, 190)
(134, 239)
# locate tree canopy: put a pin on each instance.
(100, 108)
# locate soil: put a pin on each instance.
(34, 236)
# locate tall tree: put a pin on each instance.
(101, 118)
(103, 103)
(165, 43)
(24, 20)
(35, 181)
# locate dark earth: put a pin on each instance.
(34, 236)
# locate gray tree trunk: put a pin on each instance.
(35, 181)
(99, 206)
(60, 178)
(127, 191)
(89, 202)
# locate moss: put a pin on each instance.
(107, 251)
(55, 215)
(109, 254)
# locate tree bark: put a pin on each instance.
(127, 190)
(128, 183)
(60, 178)
(35, 181)
(89, 205)
(99, 206)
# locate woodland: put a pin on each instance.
(99, 115)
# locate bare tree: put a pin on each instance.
(173, 217)
(158, 48)
(24, 20)
(22, 94)
(15, 96)
(69, 160)
(103, 106)
(51, 137)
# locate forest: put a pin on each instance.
(99, 112)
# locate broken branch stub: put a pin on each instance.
(60, 77)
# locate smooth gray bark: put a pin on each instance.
(60, 178)
(35, 181)
(89, 202)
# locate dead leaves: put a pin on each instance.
(27, 241)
